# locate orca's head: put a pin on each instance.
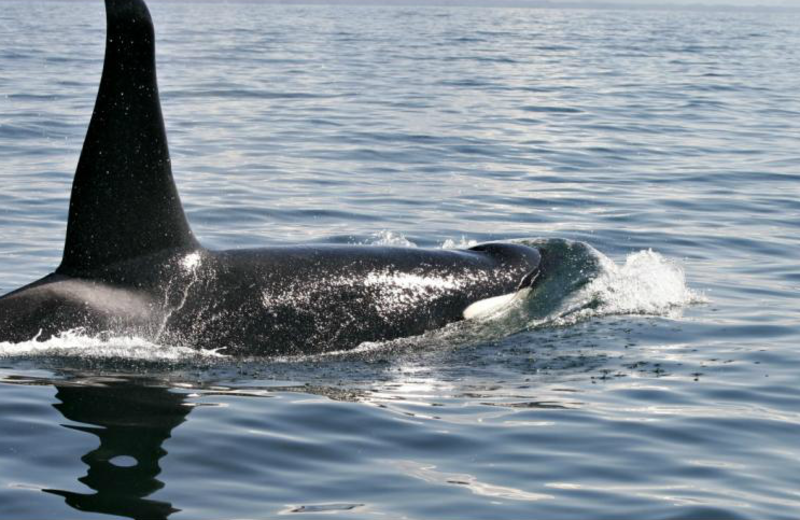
(517, 257)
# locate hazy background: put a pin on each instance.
(641, 4)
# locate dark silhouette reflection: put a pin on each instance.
(132, 422)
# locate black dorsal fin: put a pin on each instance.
(124, 201)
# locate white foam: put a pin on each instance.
(464, 243)
(646, 284)
(390, 238)
(76, 343)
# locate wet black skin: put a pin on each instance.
(131, 264)
(270, 301)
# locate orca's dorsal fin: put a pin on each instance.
(124, 202)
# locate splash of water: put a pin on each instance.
(189, 266)
(463, 243)
(647, 284)
(76, 343)
(389, 238)
(392, 238)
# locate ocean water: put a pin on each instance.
(656, 154)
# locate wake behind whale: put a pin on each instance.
(132, 266)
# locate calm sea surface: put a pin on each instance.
(657, 154)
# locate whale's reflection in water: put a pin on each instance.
(129, 418)
(131, 422)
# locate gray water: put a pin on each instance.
(657, 153)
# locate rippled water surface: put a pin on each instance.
(657, 153)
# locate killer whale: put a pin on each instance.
(131, 264)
